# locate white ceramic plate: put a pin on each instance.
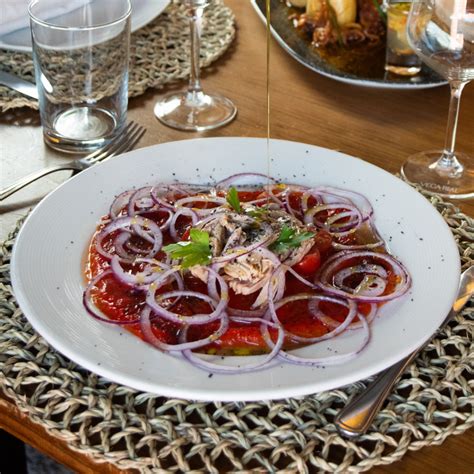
(143, 12)
(48, 260)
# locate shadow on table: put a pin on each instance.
(20, 117)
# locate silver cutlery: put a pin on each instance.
(19, 85)
(125, 142)
(356, 417)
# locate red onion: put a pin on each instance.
(128, 223)
(327, 277)
(151, 273)
(184, 211)
(208, 199)
(321, 361)
(332, 323)
(95, 312)
(262, 362)
(331, 194)
(119, 203)
(329, 225)
(145, 325)
(218, 306)
(225, 183)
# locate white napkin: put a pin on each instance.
(14, 13)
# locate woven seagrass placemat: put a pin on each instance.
(159, 52)
(132, 429)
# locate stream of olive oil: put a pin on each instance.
(267, 11)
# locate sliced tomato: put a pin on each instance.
(310, 263)
(323, 241)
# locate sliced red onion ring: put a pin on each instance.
(350, 305)
(161, 192)
(378, 241)
(290, 209)
(145, 325)
(331, 194)
(327, 360)
(332, 323)
(120, 203)
(262, 362)
(301, 279)
(121, 251)
(128, 223)
(305, 198)
(207, 199)
(376, 273)
(225, 183)
(151, 273)
(218, 306)
(140, 200)
(328, 273)
(93, 310)
(329, 225)
(373, 245)
(183, 211)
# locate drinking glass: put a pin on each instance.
(193, 109)
(399, 57)
(81, 69)
(441, 32)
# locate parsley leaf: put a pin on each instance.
(289, 238)
(233, 200)
(195, 252)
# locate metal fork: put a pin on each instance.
(125, 142)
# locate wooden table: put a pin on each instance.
(380, 126)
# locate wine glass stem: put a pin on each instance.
(195, 22)
(448, 163)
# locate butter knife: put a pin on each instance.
(356, 417)
(19, 85)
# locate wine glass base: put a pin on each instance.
(194, 111)
(420, 169)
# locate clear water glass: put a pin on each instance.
(399, 58)
(441, 32)
(81, 67)
(193, 109)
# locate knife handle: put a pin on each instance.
(356, 417)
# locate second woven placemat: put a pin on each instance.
(132, 429)
(159, 53)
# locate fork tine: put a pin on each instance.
(108, 149)
(131, 142)
(128, 144)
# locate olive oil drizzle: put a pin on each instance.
(267, 11)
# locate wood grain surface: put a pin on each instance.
(382, 127)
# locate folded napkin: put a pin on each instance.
(14, 13)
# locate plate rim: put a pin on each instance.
(369, 83)
(135, 26)
(201, 393)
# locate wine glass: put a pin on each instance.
(441, 32)
(192, 109)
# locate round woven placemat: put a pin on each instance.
(132, 429)
(159, 52)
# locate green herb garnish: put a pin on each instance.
(380, 11)
(195, 252)
(233, 200)
(289, 238)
